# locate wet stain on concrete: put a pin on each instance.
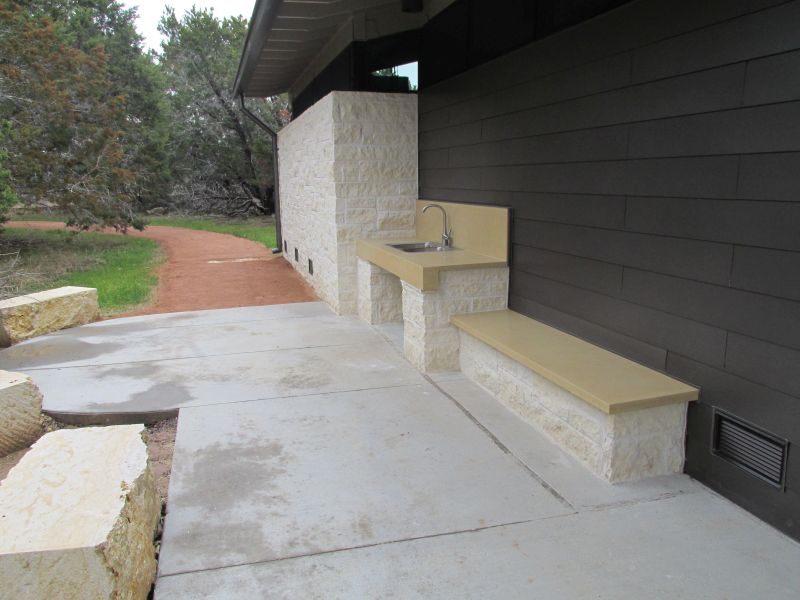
(159, 396)
(313, 374)
(53, 350)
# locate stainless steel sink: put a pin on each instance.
(422, 247)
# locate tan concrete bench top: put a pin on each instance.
(605, 380)
(421, 269)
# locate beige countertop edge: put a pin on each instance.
(421, 269)
(688, 394)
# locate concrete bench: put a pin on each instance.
(623, 420)
(77, 517)
(25, 317)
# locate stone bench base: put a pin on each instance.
(617, 447)
(77, 517)
(20, 412)
(25, 317)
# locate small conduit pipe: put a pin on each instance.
(276, 193)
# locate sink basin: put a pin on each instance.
(422, 247)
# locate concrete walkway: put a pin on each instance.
(312, 461)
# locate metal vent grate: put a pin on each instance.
(751, 448)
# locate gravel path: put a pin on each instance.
(207, 270)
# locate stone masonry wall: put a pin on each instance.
(430, 342)
(620, 447)
(348, 169)
(380, 297)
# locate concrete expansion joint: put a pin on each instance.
(538, 478)
(431, 536)
(174, 358)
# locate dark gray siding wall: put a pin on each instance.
(652, 159)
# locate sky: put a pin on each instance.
(150, 12)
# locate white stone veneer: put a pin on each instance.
(430, 342)
(619, 447)
(348, 171)
(380, 297)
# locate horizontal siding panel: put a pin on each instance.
(434, 159)
(707, 177)
(607, 143)
(751, 314)
(695, 340)
(770, 177)
(581, 272)
(704, 261)
(773, 79)
(767, 271)
(469, 196)
(759, 34)
(774, 366)
(751, 223)
(459, 135)
(644, 353)
(774, 411)
(450, 178)
(575, 209)
(774, 128)
(699, 92)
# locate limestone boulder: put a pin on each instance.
(77, 517)
(25, 317)
(20, 412)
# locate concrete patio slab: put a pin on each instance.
(273, 479)
(111, 343)
(688, 547)
(161, 385)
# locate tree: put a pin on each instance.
(221, 161)
(64, 143)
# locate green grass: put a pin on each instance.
(121, 268)
(256, 229)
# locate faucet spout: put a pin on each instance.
(446, 233)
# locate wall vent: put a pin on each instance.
(285, 246)
(758, 452)
(296, 255)
(310, 267)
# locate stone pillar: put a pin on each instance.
(430, 342)
(379, 295)
(348, 169)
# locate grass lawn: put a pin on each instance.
(121, 268)
(256, 229)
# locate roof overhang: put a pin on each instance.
(290, 41)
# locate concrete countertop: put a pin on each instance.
(421, 269)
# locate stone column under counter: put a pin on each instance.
(379, 294)
(430, 342)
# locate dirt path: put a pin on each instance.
(212, 270)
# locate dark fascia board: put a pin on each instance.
(260, 24)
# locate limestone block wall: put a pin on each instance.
(430, 342)
(379, 294)
(348, 170)
(618, 447)
(20, 412)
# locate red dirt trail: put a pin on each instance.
(211, 270)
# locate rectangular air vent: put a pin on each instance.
(758, 452)
(296, 255)
(310, 267)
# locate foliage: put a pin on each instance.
(7, 195)
(64, 144)
(120, 267)
(256, 229)
(221, 161)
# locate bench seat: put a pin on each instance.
(623, 420)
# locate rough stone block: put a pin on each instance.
(25, 317)
(77, 517)
(20, 412)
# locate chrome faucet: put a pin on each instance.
(446, 233)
